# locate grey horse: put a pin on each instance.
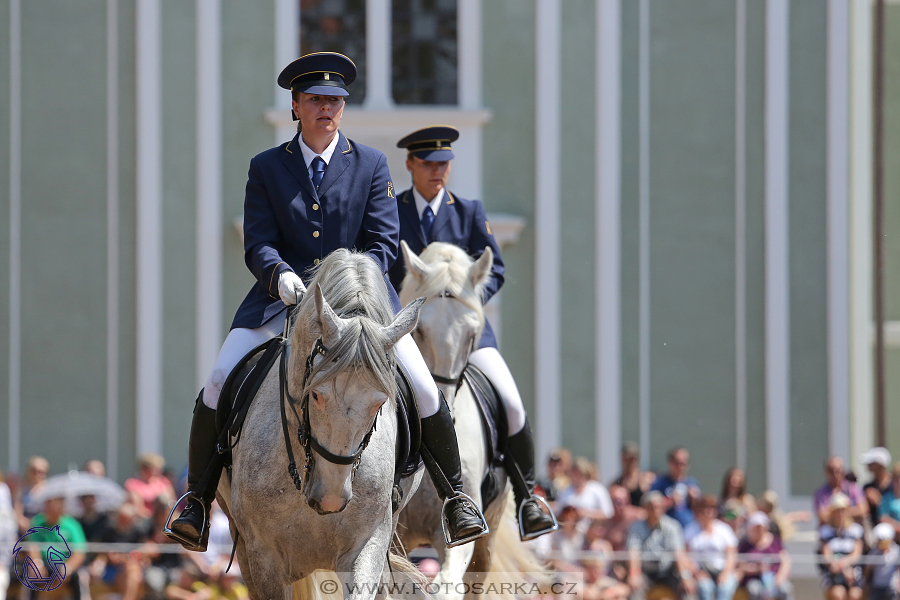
(341, 520)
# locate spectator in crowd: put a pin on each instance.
(877, 461)
(634, 480)
(889, 509)
(657, 554)
(882, 575)
(93, 523)
(163, 568)
(559, 462)
(734, 487)
(835, 481)
(841, 545)
(781, 524)
(121, 572)
(52, 516)
(150, 483)
(765, 578)
(8, 530)
(567, 541)
(585, 493)
(26, 508)
(95, 467)
(678, 487)
(598, 585)
(734, 514)
(615, 529)
(715, 546)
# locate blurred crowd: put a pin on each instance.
(658, 535)
(653, 535)
(151, 570)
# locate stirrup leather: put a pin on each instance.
(188, 543)
(546, 509)
(457, 497)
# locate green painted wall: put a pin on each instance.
(808, 244)
(64, 201)
(578, 164)
(508, 71)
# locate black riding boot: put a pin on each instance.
(533, 521)
(202, 455)
(464, 521)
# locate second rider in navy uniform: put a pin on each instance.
(430, 213)
(305, 199)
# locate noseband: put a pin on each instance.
(457, 381)
(304, 429)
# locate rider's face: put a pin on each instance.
(319, 115)
(429, 176)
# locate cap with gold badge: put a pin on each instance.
(323, 73)
(431, 143)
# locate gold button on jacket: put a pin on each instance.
(315, 207)
(315, 234)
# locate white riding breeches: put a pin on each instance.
(238, 343)
(489, 360)
(241, 341)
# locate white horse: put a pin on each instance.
(340, 377)
(450, 325)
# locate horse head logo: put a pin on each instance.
(50, 575)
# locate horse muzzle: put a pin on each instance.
(328, 505)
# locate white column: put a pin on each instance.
(15, 230)
(112, 238)
(209, 187)
(777, 317)
(862, 417)
(644, 230)
(607, 382)
(468, 24)
(547, 252)
(148, 75)
(740, 233)
(287, 49)
(838, 239)
(378, 55)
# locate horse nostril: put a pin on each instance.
(313, 504)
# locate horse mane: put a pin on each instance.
(354, 287)
(448, 270)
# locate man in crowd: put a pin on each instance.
(877, 460)
(69, 530)
(657, 553)
(835, 481)
(678, 488)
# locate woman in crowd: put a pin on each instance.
(841, 545)
(633, 479)
(768, 577)
(734, 487)
(715, 548)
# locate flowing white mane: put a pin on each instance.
(448, 269)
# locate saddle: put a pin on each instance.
(496, 431)
(244, 382)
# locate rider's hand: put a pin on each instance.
(290, 287)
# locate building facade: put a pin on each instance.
(684, 190)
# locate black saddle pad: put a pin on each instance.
(242, 384)
(493, 419)
(409, 430)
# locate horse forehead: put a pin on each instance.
(353, 385)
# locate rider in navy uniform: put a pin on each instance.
(304, 199)
(430, 213)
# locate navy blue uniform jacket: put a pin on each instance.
(289, 225)
(461, 222)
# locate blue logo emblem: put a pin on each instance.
(50, 575)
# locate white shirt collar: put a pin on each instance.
(309, 155)
(421, 202)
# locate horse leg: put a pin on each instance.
(363, 572)
(260, 571)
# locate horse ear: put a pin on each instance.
(328, 320)
(405, 321)
(414, 265)
(480, 272)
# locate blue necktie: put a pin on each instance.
(427, 222)
(318, 167)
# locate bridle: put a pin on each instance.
(456, 381)
(304, 430)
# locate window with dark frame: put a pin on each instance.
(337, 26)
(425, 56)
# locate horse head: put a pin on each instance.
(452, 319)
(350, 374)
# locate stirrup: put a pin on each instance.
(189, 544)
(444, 524)
(530, 536)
